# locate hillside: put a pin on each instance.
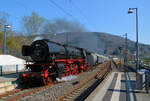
(93, 41)
(98, 42)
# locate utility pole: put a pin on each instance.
(126, 48)
(120, 48)
(5, 27)
(4, 40)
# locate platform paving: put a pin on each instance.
(118, 86)
(8, 82)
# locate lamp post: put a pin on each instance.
(139, 83)
(5, 27)
(137, 46)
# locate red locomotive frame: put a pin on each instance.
(72, 67)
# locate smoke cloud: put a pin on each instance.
(62, 25)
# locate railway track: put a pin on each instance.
(19, 93)
(87, 85)
(83, 90)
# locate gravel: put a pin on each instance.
(53, 92)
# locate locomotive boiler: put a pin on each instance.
(45, 51)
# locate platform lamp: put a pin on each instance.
(138, 76)
(137, 46)
(5, 28)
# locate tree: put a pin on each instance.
(3, 19)
(32, 24)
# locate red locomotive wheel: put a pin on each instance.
(49, 80)
(44, 81)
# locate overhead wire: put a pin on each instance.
(62, 9)
(59, 7)
(79, 9)
(81, 12)
(67, 13)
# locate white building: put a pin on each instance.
(11, 63)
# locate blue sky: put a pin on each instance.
(97, 15)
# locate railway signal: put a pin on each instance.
(126, 49)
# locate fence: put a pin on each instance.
(8, 69)
(143, 80)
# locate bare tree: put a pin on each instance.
(32, 24)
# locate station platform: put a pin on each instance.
(8, 82)
(118, 86)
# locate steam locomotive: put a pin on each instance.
(51, 60)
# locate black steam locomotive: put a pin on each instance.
(51, 60)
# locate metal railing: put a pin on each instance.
(144, 79)
(9, 69)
